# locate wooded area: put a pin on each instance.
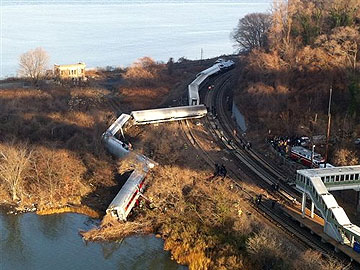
(308, 47)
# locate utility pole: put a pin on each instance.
(312, 155)
(201, 53)
(328, 126)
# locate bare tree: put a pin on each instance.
(251, 31)
(342, 46)
(33, 64)
(14, 162)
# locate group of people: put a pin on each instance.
(282, 143)
(220, 170)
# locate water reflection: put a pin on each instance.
(53, 242)
(52, 226)
(12, 246)
(109, 248)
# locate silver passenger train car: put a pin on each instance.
(130, 192)
(193, 88)
(168, 114)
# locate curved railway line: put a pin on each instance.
(253, 166)
(216, 142)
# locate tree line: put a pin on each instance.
(293, 55)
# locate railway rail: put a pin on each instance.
(254, 166)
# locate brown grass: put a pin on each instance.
(62, 128)
(204, 221)
(69, 209)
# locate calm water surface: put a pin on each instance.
(52, 242)
(116, 33)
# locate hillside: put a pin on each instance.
(283, 87)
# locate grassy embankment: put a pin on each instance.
(205, 221)
(51, 156)
(284, 87)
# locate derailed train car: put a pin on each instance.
(168, 114)
(116, 147)
(125, 200)
(118, 124)
(130, 192)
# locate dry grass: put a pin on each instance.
(345, 157)
(69, 209)
(143, 97)
(62, 129)
(204, 221)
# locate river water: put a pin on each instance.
(103, 33)
(32, 242)
(117, 32)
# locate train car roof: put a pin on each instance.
(330, 171)
(199, 78)
(166, 114)
(119, 123)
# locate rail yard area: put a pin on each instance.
(217, 200)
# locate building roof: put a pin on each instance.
(330, 171)
(71, 65)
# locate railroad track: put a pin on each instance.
(254, 166)
(264, 210)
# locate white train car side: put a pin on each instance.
(130, 192)
(168, 114)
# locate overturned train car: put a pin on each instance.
(168, 114)
(125, 200)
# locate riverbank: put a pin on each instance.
(205, 221)
(29, 241)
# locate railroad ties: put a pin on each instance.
(126, 199)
